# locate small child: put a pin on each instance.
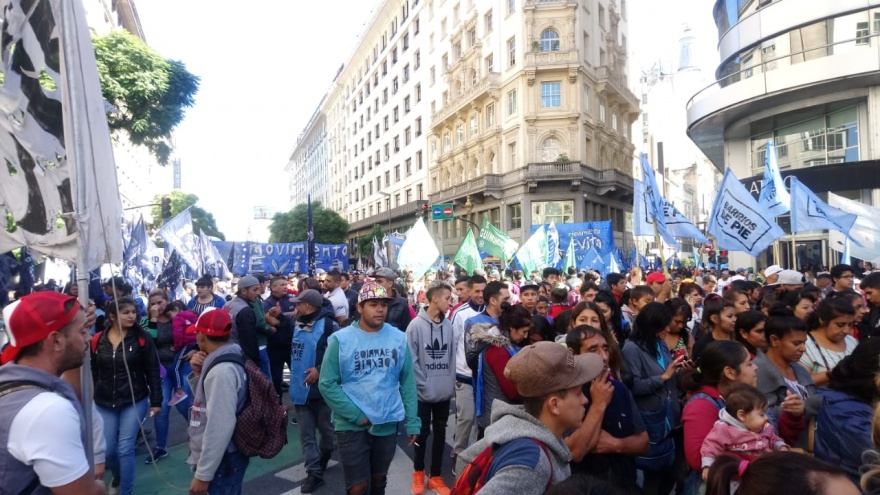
(559, 296)
(742, 429)
(181, 319)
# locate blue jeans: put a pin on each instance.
(264, 363)
(229, 477)
(183, 406)
(312, 417)
(122, 425)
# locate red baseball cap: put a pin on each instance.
(656, 277)
(214, 323)
(33, 317)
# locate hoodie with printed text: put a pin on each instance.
(432, 346)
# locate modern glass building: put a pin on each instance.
(805, 74)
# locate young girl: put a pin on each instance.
(719, 319)
(742, 429)
(181, 319)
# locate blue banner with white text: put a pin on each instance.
(282, 258)
(586, 236)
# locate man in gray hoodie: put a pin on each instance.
(432, 345)
(530, 455)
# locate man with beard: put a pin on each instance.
(42, 432)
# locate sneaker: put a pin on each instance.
(418, 485)
(178, 396)
(436, 483)
(311, 484)
(293, 420)
(157, 454)
(114, 486)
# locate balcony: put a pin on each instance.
(466, 97)
(551, 59)
(614, 85)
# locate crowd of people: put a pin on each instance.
(690, 382)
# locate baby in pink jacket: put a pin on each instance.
(742, 428)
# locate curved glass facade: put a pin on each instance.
(838, 35)
(730, 12)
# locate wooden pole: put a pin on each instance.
(793, 252)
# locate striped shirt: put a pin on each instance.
(817, 359)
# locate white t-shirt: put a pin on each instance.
(45, 434)
(339, 301)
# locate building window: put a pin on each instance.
(514, 212)
(551, 94)
(586, 98)
(551, 149)
(409, 195)
(511, 155)
(549, 41)
(614, 121)
(602, 110)
(418, 127)
(474, 125)
(459, 135)
(407, 136)
(444, 63)
(418, 93)
(863, 33)
(433, 76)
(419, 192)
(408, 165)
(544, 212)
(490, 63)
(406, 105)
(406, 73)
(511, 52)
(472, 37)
(447, 142)
(488, 18)
(419, 160)
(396, 114)
(601, 17)
(490, 115)
(511, 6)
(511, 102)
(397, 172)
(417, 60)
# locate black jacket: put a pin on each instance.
(113, 386)
(246, 322)
(284, 332)
(398, 312)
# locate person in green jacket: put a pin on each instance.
(367, 380)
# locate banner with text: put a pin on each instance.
(281, 257)
(584, 235)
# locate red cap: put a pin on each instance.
(655, 277)
(214, 323)
(33, 317)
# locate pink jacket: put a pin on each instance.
(179, 324)
(729, 435)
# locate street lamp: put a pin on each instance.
(388, 197)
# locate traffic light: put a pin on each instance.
(723, 260)
(166, 208)
(426, 210)
(712, 256)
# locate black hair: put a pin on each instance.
(771, 474)
(434, 288)
(334, 275)
(205, 281)
(461, 279)
(739, 285)
(745, 322)
(745, 398)
(685, 289)
(110, 310)
(713, 305)
(651, 320)
(175, 305)
(871, 281)
(562, 322)
(475, 280)
(791, 298)
(780, 326)
(716, 356)
(616, 321)
(679, 306)
(615, 358)
(559, 295)
(837, 271)
(542, 327)
(513, 317)
(828, 310)
(493, 289)
(551, 271)
(640, 291)
(824, 275)
(576, 336)
(587, 286)
(855, 374)
(614, 278)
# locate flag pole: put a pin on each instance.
(660, 249)
(793, 252)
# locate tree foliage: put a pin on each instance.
(292, 226)
(201, 219)
(150, 93)
(365, 244)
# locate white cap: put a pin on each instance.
(790, 277)
(772, 270)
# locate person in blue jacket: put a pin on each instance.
(843, 426)
(205, 296)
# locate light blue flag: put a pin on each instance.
(845, 258)
(737, 222)
(676, 224)
(774, 199)
(612, 265)
(593, 261)
(653, 199)
(178, 234)
(419, 252)
(553, 255)
(211, 260)
(808, 212)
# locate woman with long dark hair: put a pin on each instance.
(613, 316)
(749, 331)
(828, 340)
(125, 369)
(589, 313)
(778, 472)
(500, 343)
(719, 318)
(679, 341)
(843, 426)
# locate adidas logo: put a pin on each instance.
(435, 351)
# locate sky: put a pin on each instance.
(265, 65)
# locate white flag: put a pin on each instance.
(774, 198)
(737, 222)
(60, 178)
(808, 212)
(418, 252)
(178, 234)
(866, 230)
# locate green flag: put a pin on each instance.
(533, 254)
(468, 256)
(570, 259)
(495, 242)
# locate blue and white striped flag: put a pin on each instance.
(774, 199)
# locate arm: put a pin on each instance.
(642, 385)
(633, 445)
(497, 358)
(790, 427)
(519, 466)
(247, 333)
(221, 402)
(412, 340)
(410, 396)
(154, 376)
(331, 389)
(584, 439)
(699, 417)
(712, 447)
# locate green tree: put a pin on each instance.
(201, 219)
(365, 244)
(292, 226)
(150, 93)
